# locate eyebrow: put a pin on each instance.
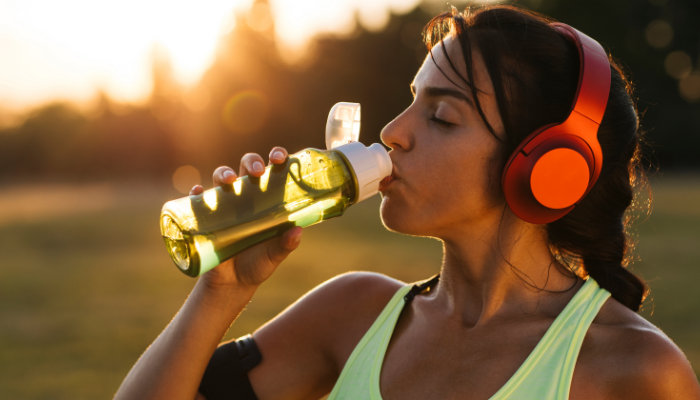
(434, 91)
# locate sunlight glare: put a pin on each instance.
(74, 49)
(210, 199)
(265, 179)
(70, 49)
(238, 186)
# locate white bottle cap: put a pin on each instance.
(370, 165)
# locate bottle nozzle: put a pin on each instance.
(343, 125)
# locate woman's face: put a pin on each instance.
(446, 162)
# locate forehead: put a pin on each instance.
(437, 71)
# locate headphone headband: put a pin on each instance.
(594, 79)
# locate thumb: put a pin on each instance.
(284, 245)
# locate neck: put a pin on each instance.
(500, 270)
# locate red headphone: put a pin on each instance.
(556, 165)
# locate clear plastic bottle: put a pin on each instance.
(311, 186)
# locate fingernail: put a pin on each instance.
(278, 155)
(228, 173)
(257, 166)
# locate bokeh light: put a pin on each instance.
(678, 64)
(245, 112)
(659, 33)
(185, 177)
(690, 87)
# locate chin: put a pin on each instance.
(398, 218)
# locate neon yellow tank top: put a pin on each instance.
(545, 375)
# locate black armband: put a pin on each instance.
(226, 376)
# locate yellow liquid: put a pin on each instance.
(200, 232)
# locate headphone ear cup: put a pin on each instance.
(559, 178)
(544, 185)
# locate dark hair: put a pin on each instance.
(534, 71)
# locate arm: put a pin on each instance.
(172, 367)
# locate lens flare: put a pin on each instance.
(246, 112)
(185, 177)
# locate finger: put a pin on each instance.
(281, 247)
(196, 190)
(252, 164)
(277, 155)
(223, 176)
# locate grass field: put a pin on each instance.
(86, 283)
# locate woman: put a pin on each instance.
(510, 315)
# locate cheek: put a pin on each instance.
(429, 200)
(484, 185)
(473, 185)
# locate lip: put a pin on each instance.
(387, 181)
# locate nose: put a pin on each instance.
(398, 133)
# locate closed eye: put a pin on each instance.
(441, 122)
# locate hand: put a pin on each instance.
(253, 266)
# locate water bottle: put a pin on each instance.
(311, 186)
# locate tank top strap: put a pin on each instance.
(547, 372)
(355, 381)
(595, 300)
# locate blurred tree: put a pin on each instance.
(46, 143)
(250, 99)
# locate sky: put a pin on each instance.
(72, 49)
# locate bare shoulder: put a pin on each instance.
(347, 300)
(358, 291)
(305, 347)
(627, 357)
(352, 302)
(333, 317)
